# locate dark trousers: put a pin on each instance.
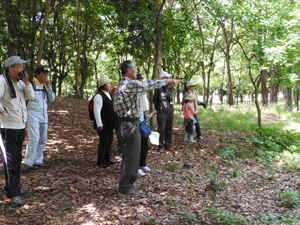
(144, 150)
(197, 126)
(13, 141)
(120, 150)
(104, 147)
(165, 125)
(131, 146)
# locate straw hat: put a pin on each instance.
(103, 80)
(190, 96)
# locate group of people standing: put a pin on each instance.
(125, 112)
(21, 102)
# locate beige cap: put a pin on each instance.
(103, 80)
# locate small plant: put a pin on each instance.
(235, 172)
(215, 186)
(188, 217)
(289, 198)
(223, 217)
(173, 167)
(229, 152)
(186, 177)
(152, 221)
(67, 207)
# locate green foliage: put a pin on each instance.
(228, 152)
(222, 217)
(214, 185)
(152, 221)
(289, 198)
(173, 166)
(187, 218)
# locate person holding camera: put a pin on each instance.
(14, 91)
(37, 123)
(190, 89)
(163, 103)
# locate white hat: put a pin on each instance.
(191, 83)
(14, 60)
(164, 74)
(190, 96)
(103, 80)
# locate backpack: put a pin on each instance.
(91, 107)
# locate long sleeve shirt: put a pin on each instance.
(15, 107)
(188, 111)
(37, 108)
(125, 99)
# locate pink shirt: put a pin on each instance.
(188, 111)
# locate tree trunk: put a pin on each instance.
(289, 101)
(78, 53)
(297, 97)
(42, 34)
(264, 91)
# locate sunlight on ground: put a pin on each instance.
(294, 126)
(58, 111)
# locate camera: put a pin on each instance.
(21, 75)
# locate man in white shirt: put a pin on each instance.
(14, 91)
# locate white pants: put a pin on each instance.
(37, 139)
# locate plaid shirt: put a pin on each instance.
(125, 99)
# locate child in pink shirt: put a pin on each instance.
(188, 114)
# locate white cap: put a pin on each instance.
(190, 96)
(191, 83)
(164, 74)
(14, 60)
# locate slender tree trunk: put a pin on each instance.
(264, 91)
(42, 34)
(289, 101)
(78, 53)
(297, 98)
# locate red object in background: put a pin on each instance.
(112, 91)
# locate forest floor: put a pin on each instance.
(74, 190)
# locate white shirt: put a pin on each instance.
(98, 104)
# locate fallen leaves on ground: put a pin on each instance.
(75, 191)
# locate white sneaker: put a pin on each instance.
(141, 173)
(146, 168)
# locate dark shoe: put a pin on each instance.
(169, 148)
(16, 201)
(111, 163)
(104, 165)
(130, 192)
(29, 168)
(47, 166)
(23, 192)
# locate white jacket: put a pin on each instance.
(15, 107)
(37, 108)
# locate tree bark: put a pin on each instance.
(264, 91)
(78, 53)
(42, 34)
(289, 101)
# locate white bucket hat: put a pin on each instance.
(164, 74)
(103, 80)
(191, 83)
(14, 60)
(190, 96)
